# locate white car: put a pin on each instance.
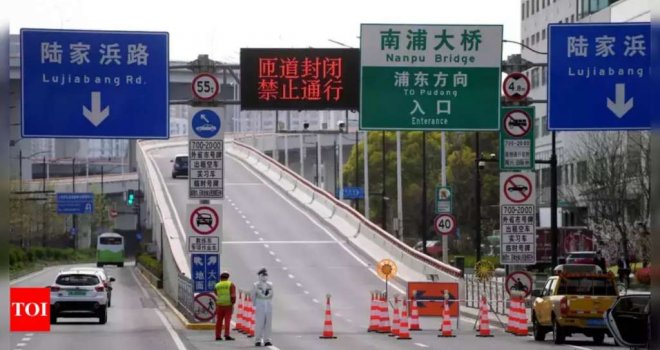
(107, 280)
(78, 294)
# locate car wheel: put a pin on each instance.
(558, 336)
(103, 315)
(599, 338)
(53, 317)
(538, 330)
(173, 176)
(120, 264)
(109, 302)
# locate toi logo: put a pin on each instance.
(29, 309)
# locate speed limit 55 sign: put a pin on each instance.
(205, 87)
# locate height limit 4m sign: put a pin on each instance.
(517, 218)
(517, 138)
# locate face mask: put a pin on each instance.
(263, 278)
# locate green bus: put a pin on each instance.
(110, 249)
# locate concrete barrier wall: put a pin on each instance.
(376, 242)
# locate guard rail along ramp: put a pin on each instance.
(356, 229)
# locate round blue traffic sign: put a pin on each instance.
(206, 123)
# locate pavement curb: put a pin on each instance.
(184, 321)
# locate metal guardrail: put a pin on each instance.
(493, 289)
(185, 297)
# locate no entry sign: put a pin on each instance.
(517, 123)
(517, 138)
(520, 281)
(517, 188)
(204, 306)
(204, 219)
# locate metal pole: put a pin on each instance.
(286, 150)
(302, 155)
(366, 174)
(20, 170)
(318, 159)
(477, 198)
(334, 168)
(384, 170)
(102, 191)
(399, 188)
(443, 175)
(75, 217)
(43, 169)
(357, 167)
(341, 163)
(554, 234)
(424, 218)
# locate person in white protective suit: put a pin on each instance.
(262, 294)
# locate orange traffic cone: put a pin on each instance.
(414, 315)
(395, 321)
(484, 321)
(446, 322)
(384, 316)
(522, 330)
(374, 319)
(512, 325)
(240, 316)
(404, 332)
(327, 324)
(251, 318)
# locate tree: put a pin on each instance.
(33, 218)
(614, 182)
(460, 175)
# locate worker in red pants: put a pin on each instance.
(225, 292)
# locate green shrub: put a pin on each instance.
(150, 263)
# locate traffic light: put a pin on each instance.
(130, 197)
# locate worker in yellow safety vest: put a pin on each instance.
(225, 292)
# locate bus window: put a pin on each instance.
(110, 240)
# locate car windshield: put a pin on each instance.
(182, 160)
(582, 255)
(77, 280)
(587, 286)
(110, 240)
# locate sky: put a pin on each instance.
(220, 28)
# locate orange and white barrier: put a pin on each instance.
(396, 322)
(404, 332)
(414, 315)
(384, 316)
(328, 332)
(484, 320)
(374, 316)
(446, 328)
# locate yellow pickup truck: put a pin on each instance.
(574, 303)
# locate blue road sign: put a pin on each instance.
(352, 193)
(75, 203)
(94, 84)
(205, 272)
(73, 231)
(599, 76)
(206, 124)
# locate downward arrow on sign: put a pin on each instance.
(96, 116)
(620, 106)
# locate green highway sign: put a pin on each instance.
(517, 138)
(443, 199)
(430, 77)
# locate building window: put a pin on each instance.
(560, 174)
(544, 75)
(527, 8)
(544, 126)
(538, 8)
(566, 20)
(543, 34)
(522, 15)
(582, 172)
(533, 7)
(545, 177)
(571, 179)
(543, 3)
(533, 39)
(535, 77)
(538, 37)
(572, 18)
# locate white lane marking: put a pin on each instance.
(26, 339)
(29, 334)
(243, 217)
(306, 292)
(166, 323)
(255, 232)
(21, 344)
(271, 252)
(279, 242)
(247, 222)
(338, 314)
(315, 222)
(298, 285)
(273, 347)
(422, 345)
(265, 245)
(278, 260)
(349, 320)
(261, 238)
(579, 347)
(291, 276)
(251, 227)
(285, 268)
(316, 301)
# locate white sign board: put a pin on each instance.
(204, 228)
(206, 154)
(517, 188)
(518, 234)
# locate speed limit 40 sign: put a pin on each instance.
(444, 224)
(205, 87)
